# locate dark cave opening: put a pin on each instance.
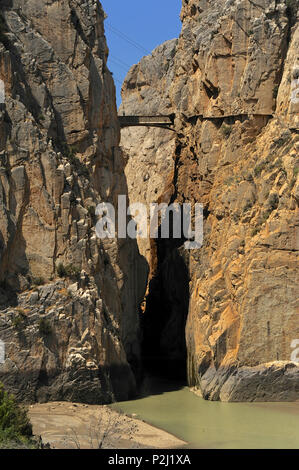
(163, 322)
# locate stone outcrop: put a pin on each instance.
(230, 80)
(76, 336)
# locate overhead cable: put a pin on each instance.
(126, 38)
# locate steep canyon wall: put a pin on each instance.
(68, 300)
(231, 308)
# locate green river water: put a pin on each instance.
(216, 425)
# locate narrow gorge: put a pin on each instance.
(84, 319)
(231, 307)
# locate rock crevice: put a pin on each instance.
(231, 69)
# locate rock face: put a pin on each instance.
(231, 81)
(148, 151)
(75, 338)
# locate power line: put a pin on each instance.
(126, 38)
(120, 60)
(119, 65)
(117, 80)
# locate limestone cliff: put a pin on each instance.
(69, 301)
(231, 308)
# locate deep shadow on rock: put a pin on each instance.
(278, 381)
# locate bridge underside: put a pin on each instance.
(148, 121)
(163, 126)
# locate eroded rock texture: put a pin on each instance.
(75, 338)
(231, 81)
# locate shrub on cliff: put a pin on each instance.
(70, 152)
(70, 271)
(44, 326)
(226, 130)
(38, 281)
(292, 8)
(15, 427)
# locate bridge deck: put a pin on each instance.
(160, 121)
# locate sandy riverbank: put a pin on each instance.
(70, 425)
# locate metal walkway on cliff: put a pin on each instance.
(166, 122)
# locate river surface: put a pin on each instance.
(216, 425)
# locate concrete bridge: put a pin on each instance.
(148, 121)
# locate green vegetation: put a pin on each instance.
(19, 320)
(260, 167)
(288, 148)
(45, 328)
(255, 231)
(226, 130)
(282, 140)
(69, 270)
(61, 270)
(273, 201)
(15, 427)
(278, 163)
(70, 152)
(248, 206)
(38, 281)
(292, 7)
(265, 216)
(294, 178)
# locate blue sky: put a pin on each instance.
(134, 28)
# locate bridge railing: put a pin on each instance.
(145, 121)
